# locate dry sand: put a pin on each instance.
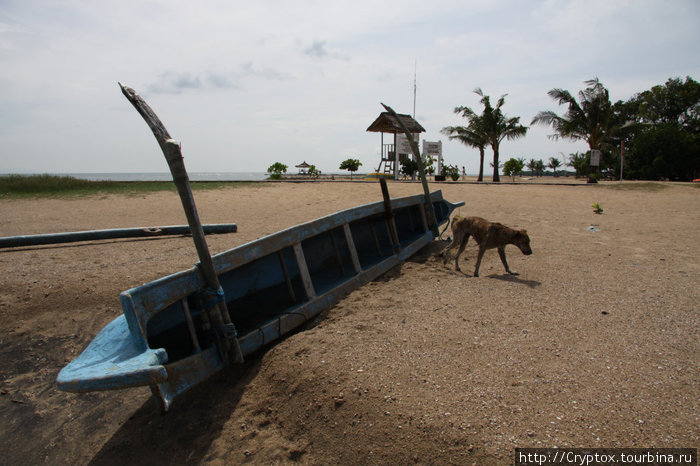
(595, 344)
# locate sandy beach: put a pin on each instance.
(594, 344)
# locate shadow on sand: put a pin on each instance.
(186, 432)
(516, 279)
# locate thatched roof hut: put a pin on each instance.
(385, 123)
(303, 167)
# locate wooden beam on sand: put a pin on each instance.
(115, 233)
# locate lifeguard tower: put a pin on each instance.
(385, 123)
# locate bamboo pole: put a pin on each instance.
(421, 171)
(224, 328)
(116, 233)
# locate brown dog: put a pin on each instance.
(488, 235)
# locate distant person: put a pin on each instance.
(464, 174)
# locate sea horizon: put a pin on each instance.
(166, 176)
(156, 176)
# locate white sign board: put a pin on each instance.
(432, 148)
(402, 144)
(595, 158)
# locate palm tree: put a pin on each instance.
(579, 162)
(539, 167)
(471, 135)
(532, 166)
(591, 119)
(494, 125)
(554, 163)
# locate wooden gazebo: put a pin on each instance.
(303, 167)
(385, 123)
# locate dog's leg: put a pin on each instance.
(462, 245)
(502, 253)
(482, 250)
(446, 252)
(456, 239)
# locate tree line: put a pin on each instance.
(653, 135)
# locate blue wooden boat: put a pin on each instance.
(270, 286)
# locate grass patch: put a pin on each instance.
(647, 186)
(52, 186)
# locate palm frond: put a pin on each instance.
(589, 118)
(546, 117)
(562, 96)
(467, 136)
(501, 101)
(466, 112)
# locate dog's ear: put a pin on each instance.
(522, 235)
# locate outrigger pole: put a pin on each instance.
(223, 327)
(432, 220)
(114, 233)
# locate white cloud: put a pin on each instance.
(244, 85)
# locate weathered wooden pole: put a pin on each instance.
(223, 327)
(432, 219)
(116, 233)
(389, 214)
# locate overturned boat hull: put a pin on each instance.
(271, 286)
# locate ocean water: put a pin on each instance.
(164, 176)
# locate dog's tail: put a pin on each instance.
(447, 226)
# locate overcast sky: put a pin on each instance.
(245, 84)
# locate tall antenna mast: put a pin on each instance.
(415, 65)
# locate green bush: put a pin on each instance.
(451, 171)
(23, 186)
(276, 169)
